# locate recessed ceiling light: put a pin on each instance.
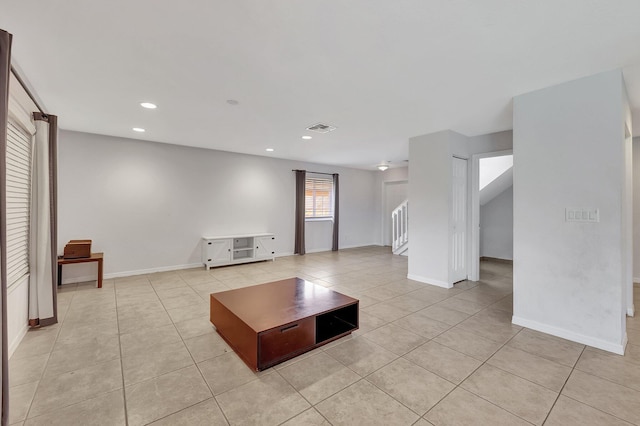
(148, 105)
(307, 137)
(269, 149)
(138, 129)
(232, 102)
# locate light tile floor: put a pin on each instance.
(141, 350)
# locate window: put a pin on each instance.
(18, 201)
(318, 200)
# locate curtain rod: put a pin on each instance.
(317, 173)
(26, 89)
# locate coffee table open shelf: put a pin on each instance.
(269, 323)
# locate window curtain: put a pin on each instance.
(301, 178)
(5, 70)
(43, 242)
(336, 212)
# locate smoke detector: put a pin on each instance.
(321, 128)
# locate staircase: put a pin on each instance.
(400, 229)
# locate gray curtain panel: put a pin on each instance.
(336, 211)
(299, 246)
(5, 70)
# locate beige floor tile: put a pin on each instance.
(604, 395)
(145, 340)
(226, 372)
(20, 399)
(207, 346)
(385, 311)
(479, 297)
(311, 417)
(195, 327)
(461, 305)
(361, 355)
(408, 303)
(161, 360)
(422, 325)
(76, 386)
(184, 313)
(413, 386)
(462, 408)
(428, 294)
(623, 370)
(470, 344)
(382, 293)
(27, 370)
(204, 413)
(395, 339)
(567, 411)
(546, 346)
(180, 301)
(536, 369)
(368, 322)
(318, 377)
(444, 314)
(364, 404)
(634, 336)
(103, 410)
(519, 396)
(130, 325)
(72, 356)
(497, 332)
(77, 334)
(446, 363)
(269, 400)
(156, 398)
(36, 342)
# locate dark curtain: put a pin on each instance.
(336, 212)
(301, 177)
(5, 70)
(53, 191)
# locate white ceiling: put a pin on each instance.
(381, 71)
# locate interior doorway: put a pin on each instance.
(394, 193)
(499, 181)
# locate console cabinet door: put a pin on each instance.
(265, 247)
(218, 251)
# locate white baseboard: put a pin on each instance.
(631, 311)
(617, 348)
(82, 279)
(428, 280)
(636, 280)
(73, 280)
(16, 340)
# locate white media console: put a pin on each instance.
(232, 249)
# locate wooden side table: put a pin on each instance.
(95, 257)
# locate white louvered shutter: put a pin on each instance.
(18, 201)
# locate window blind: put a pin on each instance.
(18, 201)
(318, 197)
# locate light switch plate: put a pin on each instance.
(574, 214)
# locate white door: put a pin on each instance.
(265, 247)
(459, 221)
(394, 194)
(219, 251)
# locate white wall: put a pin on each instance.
(430, 157)
(146, 204)
(496, 226)
(569, 152)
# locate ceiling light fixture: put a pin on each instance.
(148, 105)
(269, 149)
(307, 137)
(382, 167)
(139, 129)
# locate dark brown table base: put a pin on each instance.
(269, 323)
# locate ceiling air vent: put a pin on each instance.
(321, 128)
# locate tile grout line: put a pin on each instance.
(124, 389)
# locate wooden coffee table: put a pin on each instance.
(269, 323)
